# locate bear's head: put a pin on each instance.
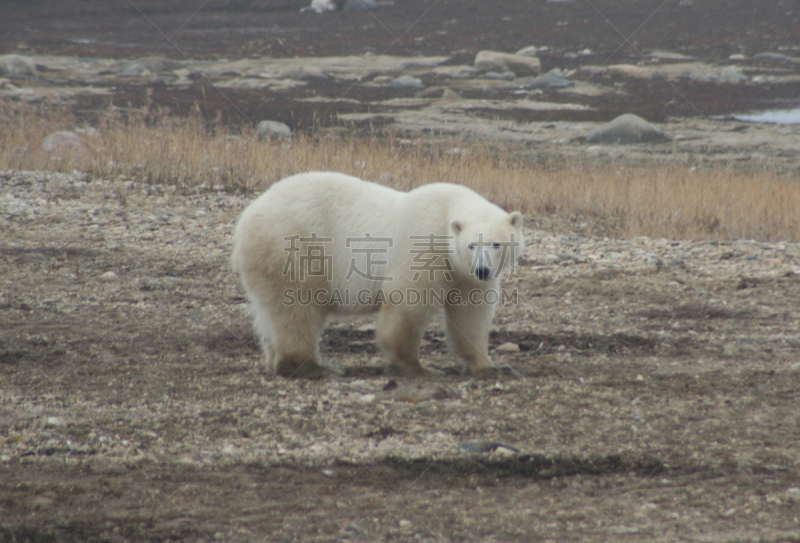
(484, 248)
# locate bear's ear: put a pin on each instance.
(516, 219)
(456, 226)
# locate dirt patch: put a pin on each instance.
(652, 395)
(224, 28)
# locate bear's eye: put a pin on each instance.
(471, 246)
(496, 244)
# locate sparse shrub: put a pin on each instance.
(665, 200)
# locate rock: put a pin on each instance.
(353, 529)
(503, 76)
(623, 530)
(135, 70)
(160, 64)
(626, 128)
(701, 77)
(406, 82)
(732, 77)
(530, 51)
(418, 393)
(670, 56)
(323, 6)
(17, 67)
(358, 5)
(553, 79)
(65, 142)
(465, 73)
(305, 74)
(485, 446)
(591, 71)
(775, 57)
(430, 92)
(505, 451)
(450, 95)
(420, 63)
(628, 71)
(41, 502)
(493, 61)
(272, 129)
(109, 276)
(508, 347)
(145, 66)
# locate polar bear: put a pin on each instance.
(322, 243)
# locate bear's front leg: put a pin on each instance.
(468, 335)
(399, 335)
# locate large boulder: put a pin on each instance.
(627, 128)
(17, 67)
(530, 51)
(272, 129)
(65, 143)
(521, 66)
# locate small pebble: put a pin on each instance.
(109, 276)
(508, 347)
(486, 446)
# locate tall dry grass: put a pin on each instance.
(672, 201)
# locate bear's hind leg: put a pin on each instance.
(399, 335)
(290, 340)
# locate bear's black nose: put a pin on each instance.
(483, 273)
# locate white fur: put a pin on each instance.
(337, 206)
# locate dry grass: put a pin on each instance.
(677, 202)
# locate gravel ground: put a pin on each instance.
(656, 395)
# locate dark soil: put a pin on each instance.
(623, 31)
(615, 30)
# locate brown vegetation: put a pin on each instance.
(672, 201)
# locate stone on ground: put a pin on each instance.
(627, 128)
(358, 5)
(503, 76)
(493, 61)
(628, 71)
(62, 143)
(272, 129)
(322, 6)
(553, 79)
(17, 66)
(406, 82)
(530, 51)
(449, 94)
(146, 66)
